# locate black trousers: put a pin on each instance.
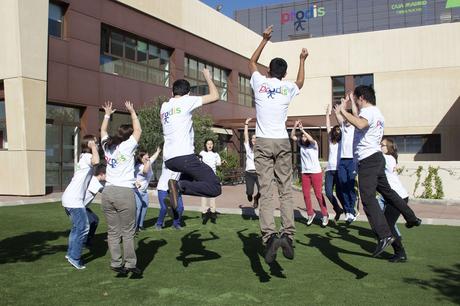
(372, 178)
(197, 178)
(251, 179)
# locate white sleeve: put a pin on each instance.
(129, 146)
(218, 160)
(367, 114)
(86, 159)
(193, 103)
(294, 90)
(256, 79)
(246, 146)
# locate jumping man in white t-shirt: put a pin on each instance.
(197, 178)
(371, 166)
(272, 152)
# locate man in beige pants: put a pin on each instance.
(272, 152)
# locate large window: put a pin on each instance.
(245, 95)
(55, 20)
(338, 89)
(342, 84)
(364, 79)
(3, 135)
(192, 73)
(421, 144)
(133, 57)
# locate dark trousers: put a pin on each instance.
(331, 181)
(392, 215)
(346, 174)
(251, 179)
(372, 178)
(93, 220)
(197, 178)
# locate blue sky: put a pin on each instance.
(229, 6)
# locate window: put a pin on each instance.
(364, 79)
(3, 135)
(421, 144)
(116, 120)
(338, 89)
(343, 84)
(133, 57)
(55, 20)
(245, 96)
(192, 73)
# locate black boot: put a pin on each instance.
(256, 201)
(400, 253)
(205, 216)
(213, 216)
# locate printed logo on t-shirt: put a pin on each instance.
(113, 162)
(379, 124)
(166, 115)
(271, 92)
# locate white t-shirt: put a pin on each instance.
(176, 118)
(74, 194)
(94, 187)
(143, 178)
(334, 155)
(369, 138)
(250, 166)
(309, 158)
(392, 176)
(120, 163)
(212, 159)
(272, 98)
(348, 135)
(165, 176)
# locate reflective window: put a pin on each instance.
(245, 95)
(418, 144)
(55, 20)
(3, 134)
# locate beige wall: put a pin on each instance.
(24, 64)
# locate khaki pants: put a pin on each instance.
(273, 161)
(119, 207)
(208, 203)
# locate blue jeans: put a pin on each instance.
(346, 173)
(330, 181)
(79, 231)
(93, 221)
(142, 203)
(163, 208)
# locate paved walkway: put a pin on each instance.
(233, 200)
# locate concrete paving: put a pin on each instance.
(233, 201)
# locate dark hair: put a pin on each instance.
(278, 67)
(123, 134)
(335, 135)
(181, 87)
(84, 143)
(303, 143)
(367, 92)
(99, 169)
(204, 145)
(250, 142)
(140, 154)
(392, 148)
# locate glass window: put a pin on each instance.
(55, 20)
(154, 56)
(338, 89)
(364, 79)
(62, 114)
(3, 134)
(116, 44)
(142, 52)
(418, 144)
(245, 96)
(116, 120)
(130, 48)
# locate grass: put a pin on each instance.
(332, 265)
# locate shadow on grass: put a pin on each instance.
(168, 223)
(324, 245)
(98, 248)
(343, 232)
(193, 245)
(146, 251)
(248, 213)
(254, 250)
(447, 282)
(30, 246)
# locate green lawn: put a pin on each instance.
(332, 266)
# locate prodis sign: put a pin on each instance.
(301, 16)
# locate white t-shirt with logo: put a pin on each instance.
(74, 194)
(176, 118)
(143, 178)
(165, 176)
(212, 159)
(348, 135)
(392, 176)
(309, 158)
(368, 139)
(272, 98)
(334, 155)
(120, 163)
(250, 166)
(94, 187)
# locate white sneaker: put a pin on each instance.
(346, 216)
(324, 221)
(310, 219)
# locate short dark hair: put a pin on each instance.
(84, 143)
(367, 92)
(278, 68)
(181, 87)
(99, 169)
(213, 145)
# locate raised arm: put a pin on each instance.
(213, 95)
(147, 165)
(338, 116)
(357, 122)
(137, 130)
(301, 72)
(94, 153)
(328, 119)
(246, 132)
(266, 35)
(105, 122)
(294, 128)
(309, 138)
(155, 155)
(354, 107)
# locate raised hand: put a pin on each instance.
(297, 123)
(247, 120)
(304, 54)
(328, 109)
(158, 150)
(267, 34)
(206, 73)
(129, 106)
(108, 108)
(92, 144)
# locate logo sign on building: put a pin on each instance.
(452, 3)
(402, 8)
(300, 17)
